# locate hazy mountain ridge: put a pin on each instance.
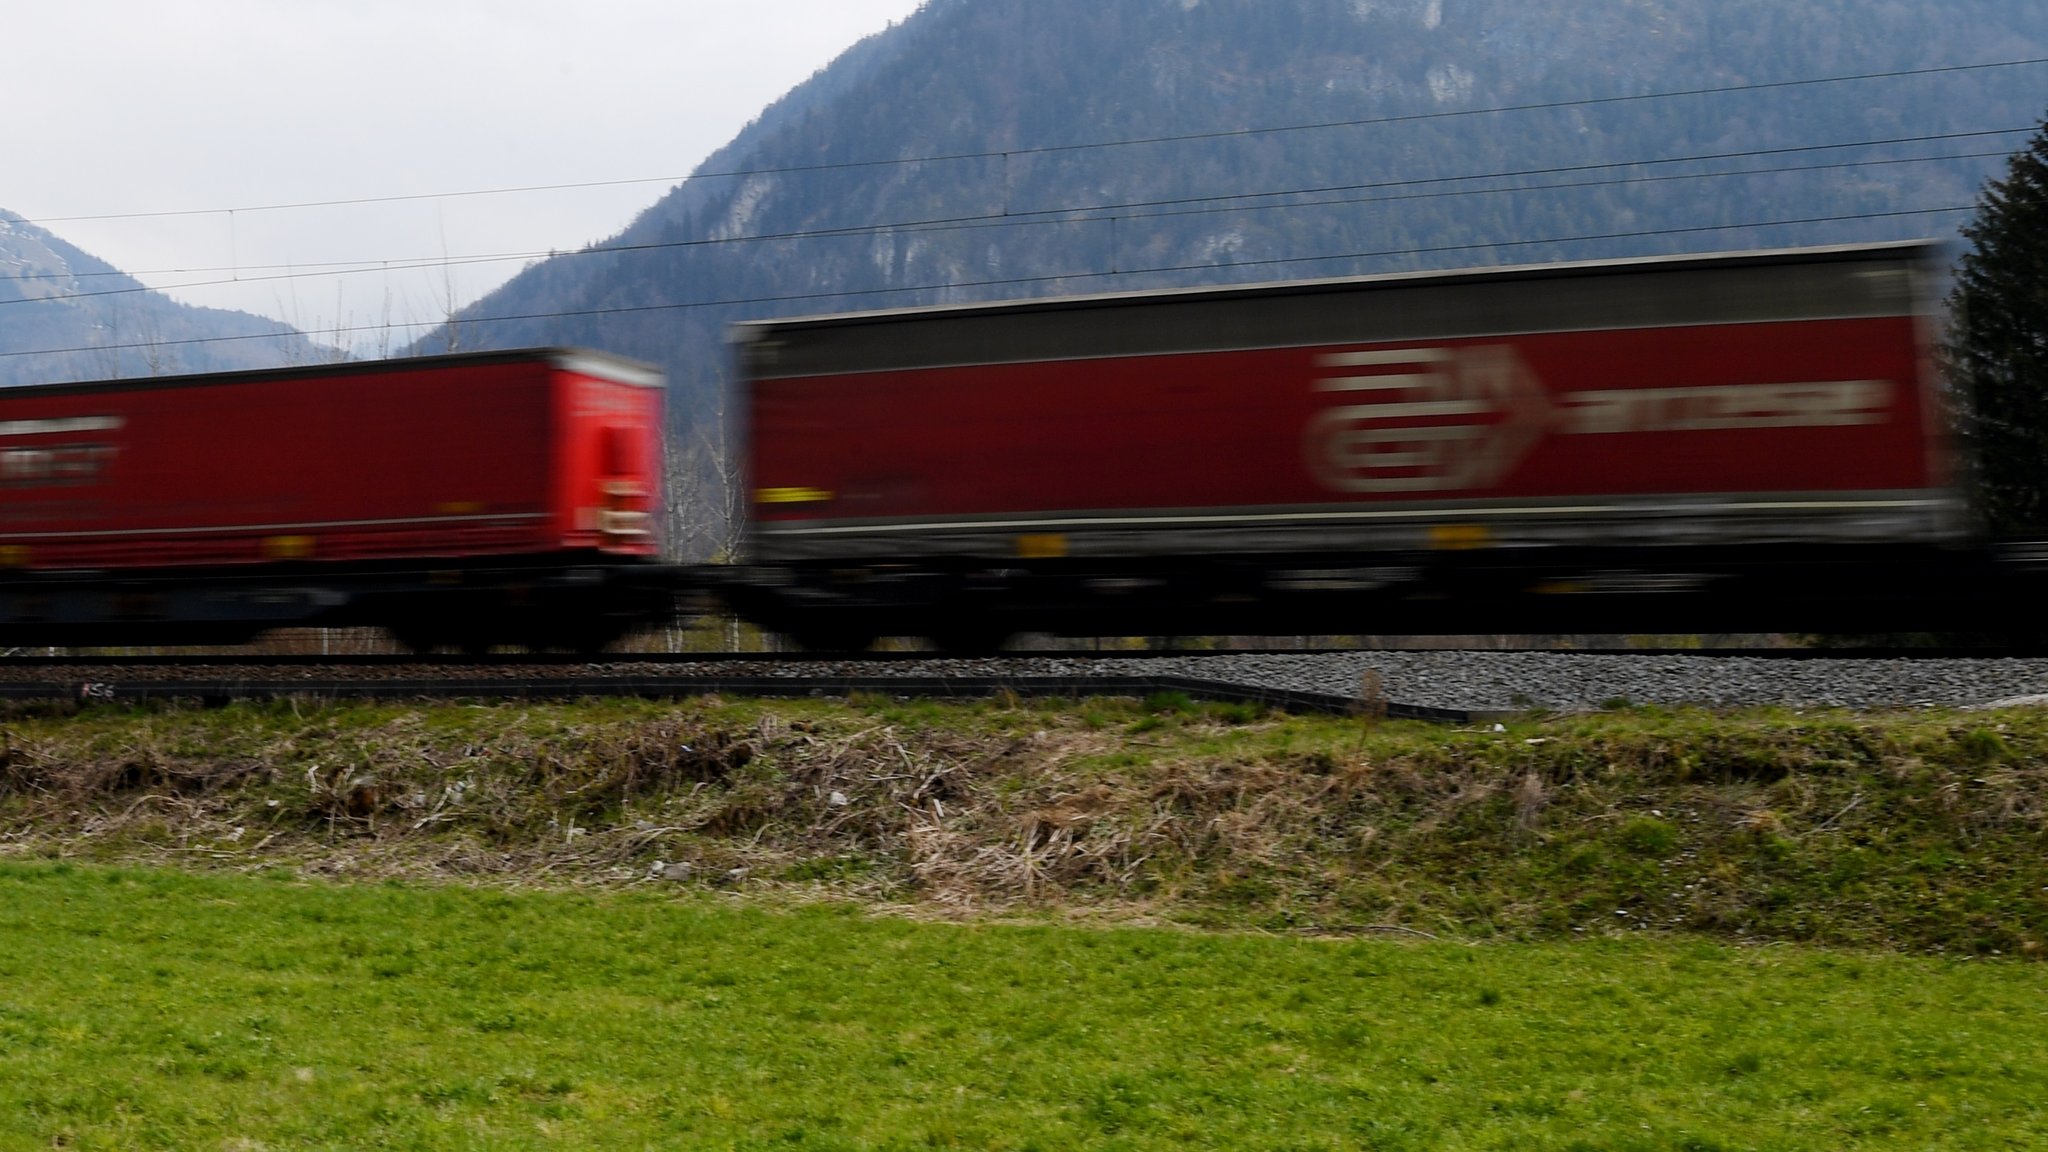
(68, 315)
(1007, 86)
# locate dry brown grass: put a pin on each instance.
(1922, 831)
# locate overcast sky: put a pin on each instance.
(189, 109)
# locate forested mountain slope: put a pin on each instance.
(967, 153)
(66, 315)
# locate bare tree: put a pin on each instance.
(103, 361)
(706, 506)
(157, 357)
(450, 302)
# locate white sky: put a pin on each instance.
(126, 107)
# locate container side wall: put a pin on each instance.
(1752, 413)
(353, 465)
(606, 464)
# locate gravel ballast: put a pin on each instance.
(1462, 680)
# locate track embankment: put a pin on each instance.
(1921, 830)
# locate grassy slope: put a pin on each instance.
(160, 1009)
(1916, 831)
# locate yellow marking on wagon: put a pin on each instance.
(288, 547)
(791, 496)
(1043, 546)
(1459, 537)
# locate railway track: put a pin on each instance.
(32, 658)
(241, 678)
(1447, 685)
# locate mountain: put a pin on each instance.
(971, 153)
(67, 315)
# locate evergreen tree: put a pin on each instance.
(1997, 350)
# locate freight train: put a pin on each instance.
(467, 501)
(1741, 442)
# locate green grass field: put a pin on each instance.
(160, 1009)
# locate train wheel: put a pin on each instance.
(969, 641)
(586, 639)
(591, 641)
(413, 640)
(832, 639)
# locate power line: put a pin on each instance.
(1031, 280)
(1554, 105)
(1066, 215)
(1161, 208)
(339, 267)
(1568, 169)
(355, 201)
(994, 154)
(1575, 185)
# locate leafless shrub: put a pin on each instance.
(1530, 798)
(967, 820)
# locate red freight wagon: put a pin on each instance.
(381, 469)
(1738, 402)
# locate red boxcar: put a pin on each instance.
(490, 454)
(543, 456)
(1734, 399)
(1732, 402)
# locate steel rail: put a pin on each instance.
(566, 660)
(225, 691)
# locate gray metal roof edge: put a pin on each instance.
(588, 361)
(1922, 250)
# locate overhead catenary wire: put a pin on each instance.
(1114, 213)
(1235, 202)
(1218, 203)
(622, 310)
(1039, 150)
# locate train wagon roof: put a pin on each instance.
(603, 365)
(1921, 249)
(1724, 287)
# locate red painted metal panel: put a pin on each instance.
(1807, 406)
(467, 456)
(607, 474)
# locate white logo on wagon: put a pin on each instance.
(1831, 403)
(1456, 419)
(60, 462)
(60, 425)
(1439, 419)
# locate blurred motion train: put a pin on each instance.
(1740, 442)
(1748, 442)
(467, 501)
